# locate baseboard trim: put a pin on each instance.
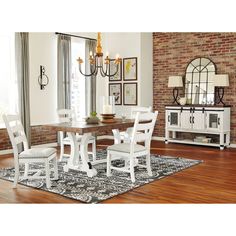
(232, 145)
(157, 138)
(111, 137)
(104, 137)
(46, 145)
(7, 151)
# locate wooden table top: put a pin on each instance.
(82, 127)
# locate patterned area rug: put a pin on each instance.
(78, 186)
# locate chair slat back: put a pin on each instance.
(135, 110)
(16, 132)
(143, 128)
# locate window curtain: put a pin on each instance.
(90, 46)
(22, 73)
(63, 72)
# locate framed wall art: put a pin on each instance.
(115, 89)
(112, 70)
(130, 94)
(130, 68)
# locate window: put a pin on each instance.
(77, 80)
(8, 81)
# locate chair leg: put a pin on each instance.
(16, 177)
(26, 169)
(148, 163)
(131, 163)
(94, 150)
(55, 168)
(62, 151)
(48, 181)
(108, 164)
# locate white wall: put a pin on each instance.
(130, 45)
(43, 103)
(146, 71)
(43, 51)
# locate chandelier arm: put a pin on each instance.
(102, 72)
(117, 67)
(91, 72)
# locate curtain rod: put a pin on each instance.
(76, 36)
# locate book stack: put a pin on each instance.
(202, 139)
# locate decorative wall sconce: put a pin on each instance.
(175, 82)
(43, 79)
(221, 81)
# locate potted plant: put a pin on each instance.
(93, 119)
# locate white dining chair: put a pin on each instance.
(124, 136)
(46, 156)
(68, 115)
(142, 132)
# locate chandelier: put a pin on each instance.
(96, 62)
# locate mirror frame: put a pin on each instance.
(197, 67)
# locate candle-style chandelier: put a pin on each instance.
(96, 62)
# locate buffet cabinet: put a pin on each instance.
(208, 125)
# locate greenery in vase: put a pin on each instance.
(93, 114)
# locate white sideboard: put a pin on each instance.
(198, 120)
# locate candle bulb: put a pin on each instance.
(80, 61)
(117, 60)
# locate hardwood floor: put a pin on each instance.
(213, 181)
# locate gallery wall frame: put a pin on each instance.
(130, 94)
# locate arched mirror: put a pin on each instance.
(199, 86)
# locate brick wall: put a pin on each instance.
(171, 54)
(39, 135)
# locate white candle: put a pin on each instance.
(107, 109)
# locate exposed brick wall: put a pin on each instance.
(171, 54)
(39, 135)
(4, 140)
(42, 135)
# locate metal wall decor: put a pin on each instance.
(199, 82)
(43, 79)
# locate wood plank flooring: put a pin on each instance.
(213, 181)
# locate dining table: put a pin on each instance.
(80, 162)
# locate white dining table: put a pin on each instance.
(72, 128)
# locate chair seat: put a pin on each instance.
(37, 153)
(125, 147)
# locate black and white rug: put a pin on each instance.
(78, 186)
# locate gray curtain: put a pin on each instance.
(22, 73)
(90, 100)
(63, 72)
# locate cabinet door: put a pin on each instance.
(199, 120)
(214, 120)
(173, 118)
(186, 119)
